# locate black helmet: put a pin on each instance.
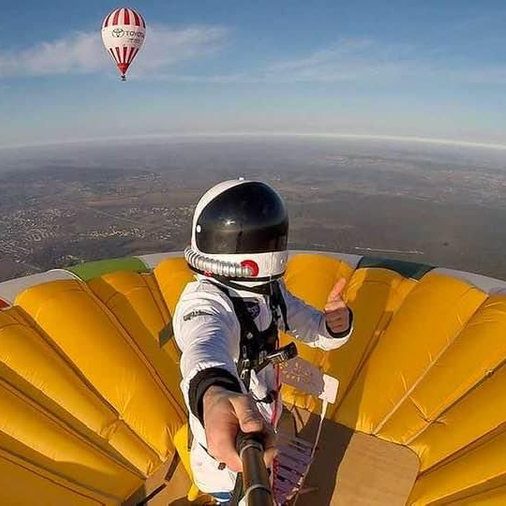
(240, 230)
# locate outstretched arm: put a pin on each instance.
(327, 330)
(206, 332)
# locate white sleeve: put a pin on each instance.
(207, 333)
(308, 324)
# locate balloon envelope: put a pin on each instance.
(91, 410)
(123, 32)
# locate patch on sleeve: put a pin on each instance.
(194, 314)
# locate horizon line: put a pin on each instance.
(328, 135)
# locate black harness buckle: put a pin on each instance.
(278, 356)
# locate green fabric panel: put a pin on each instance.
(90, 270)
(411, 270)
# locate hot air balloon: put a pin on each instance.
(92, 413)
(123, 32)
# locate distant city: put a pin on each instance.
(62, 205)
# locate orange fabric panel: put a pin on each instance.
(129, 297)
(172, 276)
(479, 470)
(432, 315)
(89, 335)
(477, 350)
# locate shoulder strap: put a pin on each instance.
(253, 342)
(278, 301)
(246, 322)
(249, 337)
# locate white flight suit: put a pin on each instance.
(207, 332)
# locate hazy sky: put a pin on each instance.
(435, 68)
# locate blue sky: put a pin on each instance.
(400, 68)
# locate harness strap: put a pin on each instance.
(253, 341)
(276, 300)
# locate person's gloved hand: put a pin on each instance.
(225, 413)
(337, 314)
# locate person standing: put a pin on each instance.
(226, 325)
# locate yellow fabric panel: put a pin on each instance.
(89, 336)
(129, 297)
(432, 315)
(311, 277)
(29, 433)
(495, 497)
(479, 349)
(150, 280)
(172, 275)
(374, 295)
(28, 355)
(480, 412)
(172, 350)
(481, 468)
(24, 485)
(181, 443)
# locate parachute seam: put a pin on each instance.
(159, 301)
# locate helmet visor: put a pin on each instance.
(248, 218)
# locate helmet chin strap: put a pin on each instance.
(263, 289)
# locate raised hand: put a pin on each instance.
(337, 314)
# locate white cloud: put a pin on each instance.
(349, 60)
(352, 60)
(165, 47)
(82, 52)
(362, 61)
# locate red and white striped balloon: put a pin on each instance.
(123, 32)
